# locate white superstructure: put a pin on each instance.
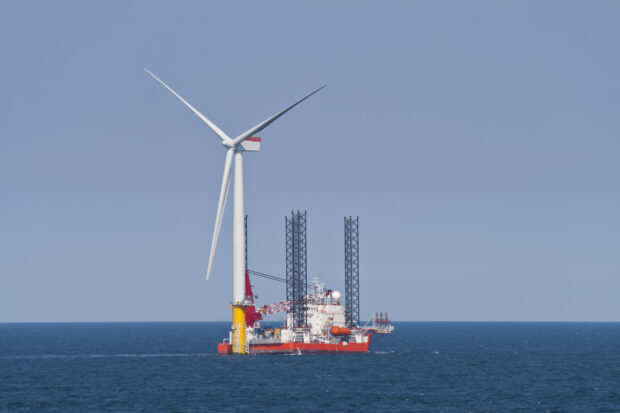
(326, 322)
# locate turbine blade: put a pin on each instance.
(210, 124)
(221, 205)
(268, 121)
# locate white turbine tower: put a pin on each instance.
(235, 148)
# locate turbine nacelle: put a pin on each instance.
(251, 144)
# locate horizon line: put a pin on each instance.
(276, 321)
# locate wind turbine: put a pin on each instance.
(234, 149)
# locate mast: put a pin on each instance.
(238, 267)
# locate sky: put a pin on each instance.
(477, 142)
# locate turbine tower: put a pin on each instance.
(234, 149)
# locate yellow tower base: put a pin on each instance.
(238, 327)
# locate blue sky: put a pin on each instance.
(477, 141)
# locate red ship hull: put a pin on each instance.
(297, 348)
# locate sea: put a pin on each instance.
(422, 366)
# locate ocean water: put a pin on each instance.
(434, 367)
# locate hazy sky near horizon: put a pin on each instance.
(478, 142)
